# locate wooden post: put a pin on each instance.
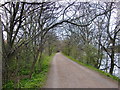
(0, 54)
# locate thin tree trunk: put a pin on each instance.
(112, 61)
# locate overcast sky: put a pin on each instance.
(113, 17)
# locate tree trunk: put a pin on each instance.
(112, 65)
(112, 62)
(0, 54)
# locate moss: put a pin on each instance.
(95, 69)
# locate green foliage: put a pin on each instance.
(89, 55)
(38, 79)
(24, 71)
(85, 53)
(10, 84)
(93, 68)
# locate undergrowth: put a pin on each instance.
(38, 78)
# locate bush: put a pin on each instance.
(89, 55)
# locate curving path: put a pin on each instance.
(64, 73)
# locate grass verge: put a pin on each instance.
(38, 79)
(93, 68)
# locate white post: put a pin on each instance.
(0, 54)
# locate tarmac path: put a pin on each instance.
(65, 73)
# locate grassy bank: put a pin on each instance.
(38, 78)
(95, 69)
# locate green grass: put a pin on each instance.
(37, 80)
(24, 71)
(10, 84)
(95, 69)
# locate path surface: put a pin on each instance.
(65, 73)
